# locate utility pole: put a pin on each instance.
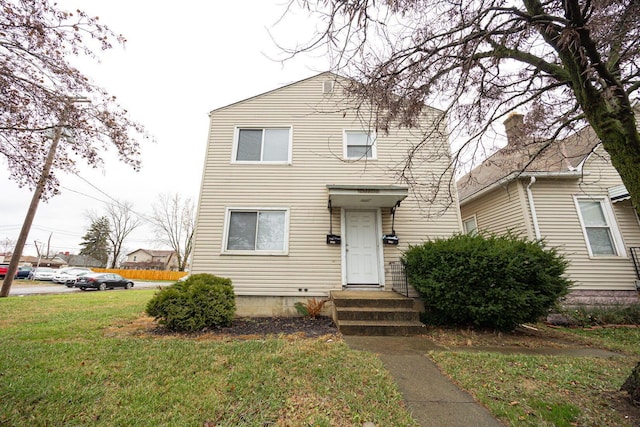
(35, 200)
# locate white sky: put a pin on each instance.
(182, 60)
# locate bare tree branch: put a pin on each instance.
(566, 63)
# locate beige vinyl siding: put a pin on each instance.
(500, 211)
(311, 267)
(560, 225)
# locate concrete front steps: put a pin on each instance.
(375, 313)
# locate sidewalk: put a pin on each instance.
(431, 397)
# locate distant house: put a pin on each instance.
(55, 262)
(150, 259)
(571, 196)
(81, 260)
(301, 196)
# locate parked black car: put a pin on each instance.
(102, 281)
(23, 272)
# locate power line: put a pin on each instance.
(116, 201)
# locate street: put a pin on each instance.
(20, 289)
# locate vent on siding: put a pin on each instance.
(327, 86)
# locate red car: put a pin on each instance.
(22, 272)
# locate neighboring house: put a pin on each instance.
(81, 260)
(149, 259)
(572, 197)
(298, 193)
(55, 262)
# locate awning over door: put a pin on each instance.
(366, 196)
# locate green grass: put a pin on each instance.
(70, 360)
(528, 390)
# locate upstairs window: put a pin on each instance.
(266, 145)
(359, 145)
(260, 231)
(599, 227)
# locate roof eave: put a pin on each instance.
(515, 175)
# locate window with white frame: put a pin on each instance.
(257, 230)
(599, 227)
(470, 225)
(359, 145)
(268, 145)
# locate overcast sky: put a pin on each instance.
(181, 60)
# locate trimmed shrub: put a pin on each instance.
(202, 301)
(486, 281)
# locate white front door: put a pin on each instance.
(361, 247)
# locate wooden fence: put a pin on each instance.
(144, 274)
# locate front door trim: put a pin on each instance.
(379, 247)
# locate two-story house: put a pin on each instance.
(151, 259)
(301, 196)
(569, 195)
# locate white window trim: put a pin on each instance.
(225, 235)
(618, 243)
(475, 221)
(374, 145)
(236, 135)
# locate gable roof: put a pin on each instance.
(81, 261)
(529, 157)
(153, 252)
(324, 73)
(335, 78)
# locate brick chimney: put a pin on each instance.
(513, 125)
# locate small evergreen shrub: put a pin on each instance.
(486, 281)
(202, 301)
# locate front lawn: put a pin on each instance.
(534, 390)
(81, 359)
(71, 360)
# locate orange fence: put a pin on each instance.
(144, 274)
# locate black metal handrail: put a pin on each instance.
(399, 281)
(635, 257)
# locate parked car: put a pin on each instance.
(69, 275)
(23, 272)
(42, 273)
(102, 281)
(3, 270)
(71, 283)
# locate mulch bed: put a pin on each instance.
(280, 325)
(264, 326)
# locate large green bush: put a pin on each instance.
(202, 301)
(486, 281)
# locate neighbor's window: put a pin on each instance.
(262, 230)
(359, 145)
(599, 227)
(263, 145)
(470, 226)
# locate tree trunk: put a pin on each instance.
(632, 385)
(621, 140)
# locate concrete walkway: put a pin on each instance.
(431, 397)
